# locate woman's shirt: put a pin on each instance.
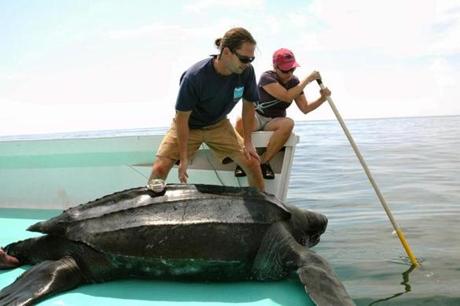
(268, 105)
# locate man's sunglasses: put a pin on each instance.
(286, 71)
(243, 58)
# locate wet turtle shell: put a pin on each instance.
(187, 220)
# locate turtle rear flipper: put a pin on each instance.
(43, 279)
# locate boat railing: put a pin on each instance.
(57, 173)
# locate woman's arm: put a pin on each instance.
(287, 95)
(306, 106)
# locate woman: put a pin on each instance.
(277, 89)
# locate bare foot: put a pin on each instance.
(7, 261)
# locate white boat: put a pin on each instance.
(59, 171)
(40, 175)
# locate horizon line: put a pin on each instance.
(127, 131)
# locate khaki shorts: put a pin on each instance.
(221, 137)
(261, 121)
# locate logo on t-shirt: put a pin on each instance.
(238, 93)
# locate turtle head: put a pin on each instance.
(307, 226)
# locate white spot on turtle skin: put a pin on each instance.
(185, 270)
(164, 262)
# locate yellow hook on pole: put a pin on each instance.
(398, 230)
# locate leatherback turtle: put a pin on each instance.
(188, 232)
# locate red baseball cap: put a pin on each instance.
(284, 59)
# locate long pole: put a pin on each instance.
(396, 227)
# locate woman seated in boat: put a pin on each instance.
(277, 89)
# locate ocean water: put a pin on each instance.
(416, 164)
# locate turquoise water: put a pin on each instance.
(414, 161)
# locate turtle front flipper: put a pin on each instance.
(279, 254)
(43, 279)
(320, 281)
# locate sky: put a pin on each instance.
(110, 64)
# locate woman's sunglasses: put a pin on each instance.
(243, 58)
(286, 71)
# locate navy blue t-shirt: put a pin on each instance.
(211, 96)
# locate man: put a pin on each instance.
(208, 92)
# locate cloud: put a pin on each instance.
(446, 28)
(159, 32)
(380, 58)
(203, 6)
(393, 27)
(32, 118)
(400, 29)
(446, 76)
